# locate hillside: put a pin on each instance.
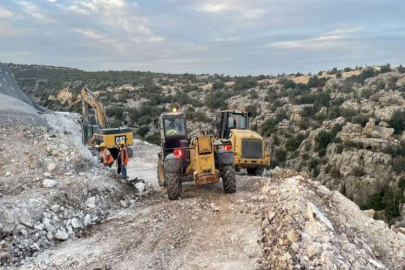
(59, 209)
(341, 127)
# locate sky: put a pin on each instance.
(230, 37)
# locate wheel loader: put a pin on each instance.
(98, 133)
(201, 159)
(247, 145)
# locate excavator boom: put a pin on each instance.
(90, 99)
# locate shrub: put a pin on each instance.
(401, 69)
(322, 100)
(385, 69)
(303, 124)
(323, 139)
(339, 75)
(360, 119)
(348, 113)
(142, 131)
(401, 184)
(244, 83)
(399, 164)
(339, 148)
(281, 114)
(144, 120)
(269, 126)
(314, 81)
(218, 86)
(289, 84)
(358, 171)
(281, 155)
(292, 144)
(336, 128)
(216, 100)
(397, 121)
(335, 172)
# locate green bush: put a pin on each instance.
(294, 143)
(269, 127)
(218, 86)
(385, 69)
(323, 139)
(216, 100)
(289, 84)
(358, 171)
(142, 131)
(303, 124)
(397, 121)
(252, 109)
(281, 155)
(360, 119)
(315, 81)
(398, 164)
(401, 69)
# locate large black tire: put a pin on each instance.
(258, 171)
(173, 185)
(229, 178)
(251, 171)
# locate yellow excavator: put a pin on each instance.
(247, 145)
(95, 134)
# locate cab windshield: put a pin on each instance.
(174, 126)
(238, 121)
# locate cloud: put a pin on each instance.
(4, 13)
(323, 41)
(116, 15)
(52, 1)
(34, 11)
(213, 8)
(105, 41)
(232, 7)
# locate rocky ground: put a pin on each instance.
(51, 189)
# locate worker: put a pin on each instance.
(124, 159)
(106, 157)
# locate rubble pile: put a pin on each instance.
(307, 226)
(50, 191)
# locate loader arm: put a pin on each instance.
(89, 98)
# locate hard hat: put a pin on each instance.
(102, 145)
(122, 143)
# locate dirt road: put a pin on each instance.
(206, 229)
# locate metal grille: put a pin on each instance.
(251, 148)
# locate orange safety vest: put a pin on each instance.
(124, 156)
(107, 158)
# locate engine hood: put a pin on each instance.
(246, 134)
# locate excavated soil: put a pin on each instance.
(206, 229)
